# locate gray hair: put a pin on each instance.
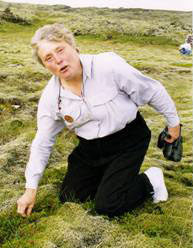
(53, 32)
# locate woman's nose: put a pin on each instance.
(58, 59)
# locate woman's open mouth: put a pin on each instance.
(64, 69)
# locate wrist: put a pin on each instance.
(31, 191)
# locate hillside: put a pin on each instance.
(148, 40)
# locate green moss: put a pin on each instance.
(54, 176)
(183, 64)
(11, 129)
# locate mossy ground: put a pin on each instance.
(148, 40)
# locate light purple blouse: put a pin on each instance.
(111, 94)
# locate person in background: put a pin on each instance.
(97, 96)
(189, 39)
(186, 48)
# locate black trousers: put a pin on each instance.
(107, 170)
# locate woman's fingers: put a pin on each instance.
(25, 203)
(29, 210)
(21, 209)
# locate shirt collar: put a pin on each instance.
(86, 61)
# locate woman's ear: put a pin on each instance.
(77, 49)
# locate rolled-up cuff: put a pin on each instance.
(173, 122)
(32, 183)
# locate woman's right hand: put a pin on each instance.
(26, 202)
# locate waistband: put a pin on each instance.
(129, 127)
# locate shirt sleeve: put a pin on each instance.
(144, 90)
(42, 144)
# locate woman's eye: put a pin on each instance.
(60, 50)
(48, 59)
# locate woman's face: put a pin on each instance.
(61, 59)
